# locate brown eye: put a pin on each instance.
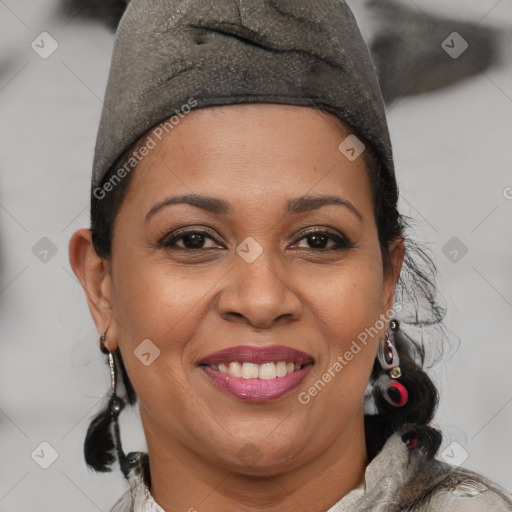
(318, 241)
(323, 240)
(193, 240)
(189, 240)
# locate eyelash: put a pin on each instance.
(169, 241)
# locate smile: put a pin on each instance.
(263, 371)
(257, 374)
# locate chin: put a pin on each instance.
(262, 457)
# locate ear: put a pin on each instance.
(396, 257)
(93, 272)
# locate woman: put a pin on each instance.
(241, 268)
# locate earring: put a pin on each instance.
(393, 391)
(115, 406)
(103, 439)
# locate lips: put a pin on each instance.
(257, 374)
(258, 355)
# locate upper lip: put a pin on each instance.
(258, 355)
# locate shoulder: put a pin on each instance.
(468, 491)
(431, 484)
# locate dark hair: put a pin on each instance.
(416, 290)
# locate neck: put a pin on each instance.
(182, 479)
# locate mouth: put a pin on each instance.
(257, 374)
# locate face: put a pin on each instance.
(273, 259)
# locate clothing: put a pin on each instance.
(401, 477)
(170, 57)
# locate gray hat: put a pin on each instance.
(169, 54)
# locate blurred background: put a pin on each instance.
(446, 76)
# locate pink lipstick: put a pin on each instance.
(257, 374)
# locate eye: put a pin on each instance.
(191, 239)
(197, 239)
(321, 239)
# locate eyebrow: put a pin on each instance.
(221, 207)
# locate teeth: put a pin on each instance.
(281, 369)
(263, 371)
(235, 369)
(249, 371)
(267, 371)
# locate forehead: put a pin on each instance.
(257, 152)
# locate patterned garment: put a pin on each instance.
(402, 477)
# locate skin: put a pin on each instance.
(193, 302)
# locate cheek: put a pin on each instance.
(153, 301)
(165, 306)
(346, 304)
(347, 298)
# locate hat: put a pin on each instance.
(171, 56)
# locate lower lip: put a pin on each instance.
(257, 390)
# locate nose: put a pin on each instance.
(258, 294)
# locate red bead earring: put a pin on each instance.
(393, 391)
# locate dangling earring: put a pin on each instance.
(101, 443)
(393, 391)
(115, 406)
